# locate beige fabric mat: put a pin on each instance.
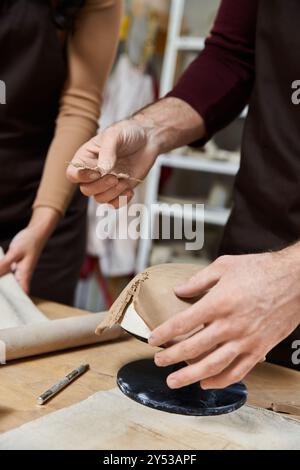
(109, 420)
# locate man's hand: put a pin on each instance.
(252, 302)
(124, 148)
(131, 147)
(26, 247)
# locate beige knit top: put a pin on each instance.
(90, 51)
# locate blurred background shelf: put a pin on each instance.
(215, 216)
(178, 41)
(198, 163)
(189, 43)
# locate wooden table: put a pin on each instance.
(22, 381)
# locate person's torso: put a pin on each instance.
(32, 66)
(266, 212)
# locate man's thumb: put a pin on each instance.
(108, 150)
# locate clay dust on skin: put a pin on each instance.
(82, 166)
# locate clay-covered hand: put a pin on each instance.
(26, 247)
(252, 303)
(122, 155)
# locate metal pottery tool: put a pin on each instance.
(58, 386)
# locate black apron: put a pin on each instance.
(33, 67)
(266, 211)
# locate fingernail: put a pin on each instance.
(93, 176)
(180, 289)
(172, 382)
(154, 341)
(151, 339)
(13, 267)
(205, 386)
(105, 169)
(158, 360)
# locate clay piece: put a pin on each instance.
(83, 166)
(145, 303)
(152, 296)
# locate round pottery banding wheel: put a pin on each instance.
(145, 383)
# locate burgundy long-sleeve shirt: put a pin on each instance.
(218, 83)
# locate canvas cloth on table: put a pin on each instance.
(109, 420)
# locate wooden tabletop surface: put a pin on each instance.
(21, 381)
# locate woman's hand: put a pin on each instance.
(26, 247)
(252, 303)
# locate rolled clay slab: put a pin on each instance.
(151, 295)
(54, 335)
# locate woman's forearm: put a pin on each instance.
(91, 52)
(44, 221)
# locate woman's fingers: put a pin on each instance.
(212, 365)
(23, 273)
(22, 266)
(202, 281)
(196, 345)
(12, 256)
(201, 312)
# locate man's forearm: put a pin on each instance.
(171, 123)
